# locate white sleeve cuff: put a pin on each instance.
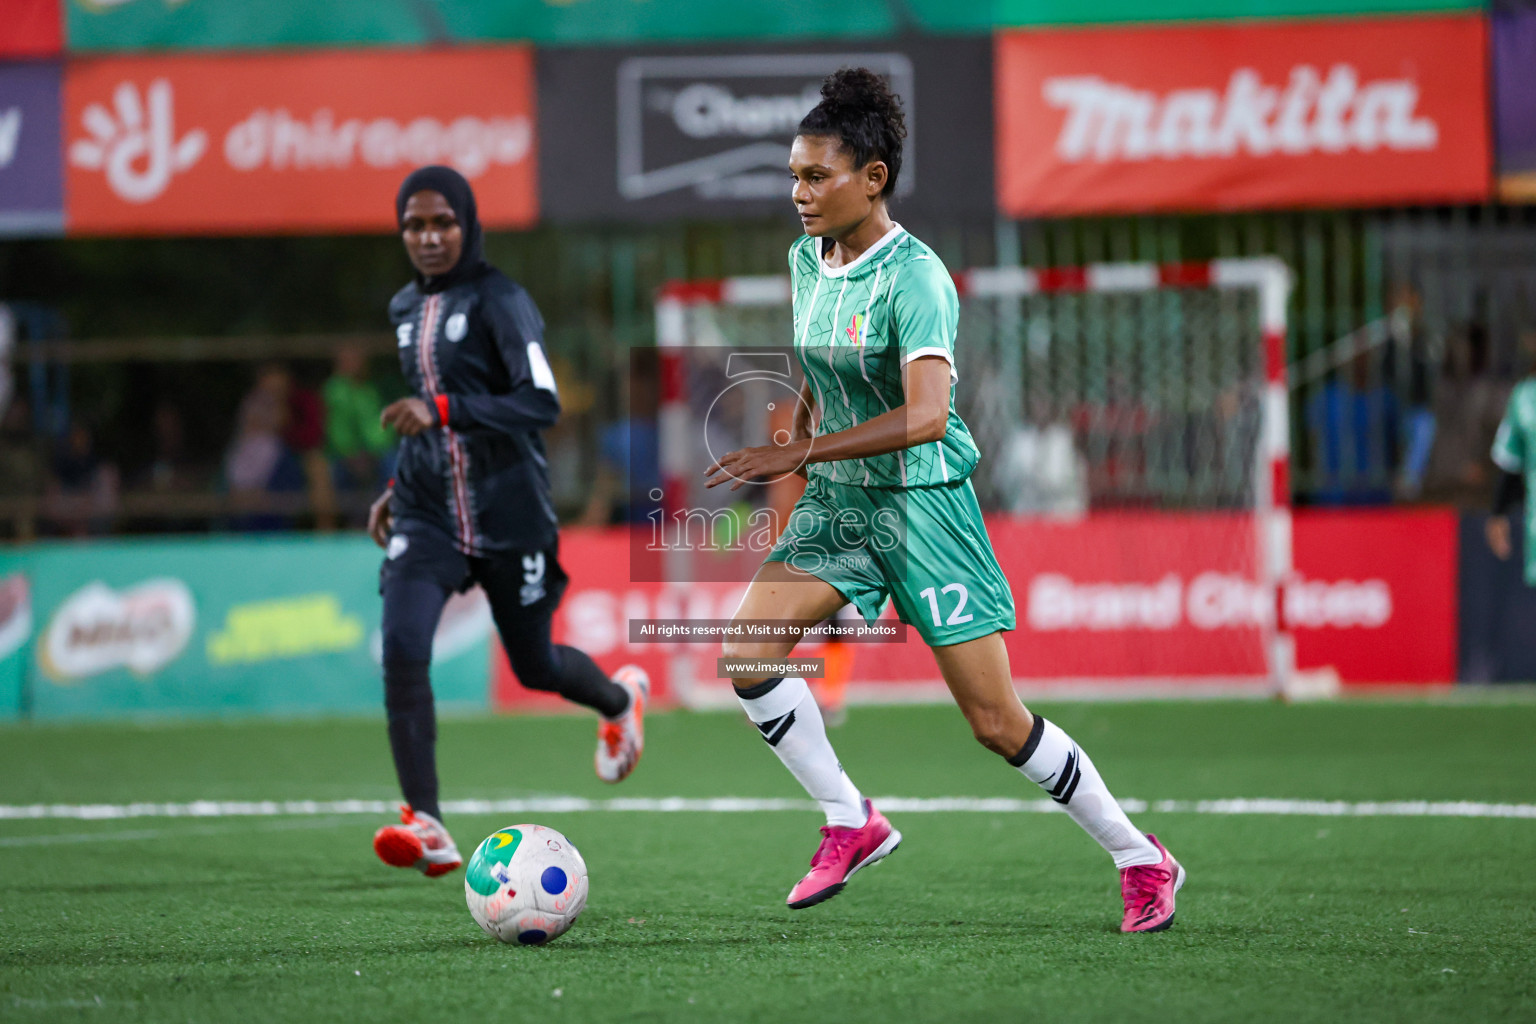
(934, 350)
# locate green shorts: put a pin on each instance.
(925, 548)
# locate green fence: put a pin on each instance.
(283, 625)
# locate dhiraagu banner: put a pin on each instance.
(211, 627)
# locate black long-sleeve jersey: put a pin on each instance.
(474, 352)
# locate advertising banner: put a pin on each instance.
(1119, 600)
(312, 143)
(1087, 12)
(1514, 103)
(114, 25)
(237, 626)
(1336, 113)
(31, 178)
(1376, 594)
(31, 28)
(1498, 610)
(656, 135)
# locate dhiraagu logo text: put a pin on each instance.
(487, 870)
(288, 627)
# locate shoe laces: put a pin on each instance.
(835, 838)
(433, 837)
(1141, 884)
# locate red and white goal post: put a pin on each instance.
(1134, 429)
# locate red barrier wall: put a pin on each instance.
(1113, 599)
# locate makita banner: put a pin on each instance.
(1389, 110)
(652, 135)
(293, 144)
(1111, 601)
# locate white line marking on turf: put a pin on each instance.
(70, 838)
(903, 805)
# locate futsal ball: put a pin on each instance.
(526, 884)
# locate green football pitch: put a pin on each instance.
(1378, 905)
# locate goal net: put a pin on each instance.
(1134, 436)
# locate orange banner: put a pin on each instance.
(301, 144)
(1357, 112)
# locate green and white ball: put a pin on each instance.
(526, 884)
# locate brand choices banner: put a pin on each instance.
(31, 183)
(705, 133)
(307, 144)
(1390, 110)
(234, 626)
(1130, 598)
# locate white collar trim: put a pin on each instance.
(842, 271)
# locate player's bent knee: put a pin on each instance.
(993, 729)
(540, 674)
(748, 650)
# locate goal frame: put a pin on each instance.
(1267, 277)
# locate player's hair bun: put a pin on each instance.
(858, 107)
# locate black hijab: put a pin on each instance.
(450, 184)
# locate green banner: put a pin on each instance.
(211, 626)
(1018, 13)
(115, 25)
(231, 24)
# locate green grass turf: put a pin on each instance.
(977, 917)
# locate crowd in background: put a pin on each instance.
(1407, 418)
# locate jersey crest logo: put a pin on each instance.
(403, 332)
(533, 579)
(457, 327)
(856, 330)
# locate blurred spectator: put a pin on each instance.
(82, 488)
(7, 349)
(566, 443)
(1406, 368)
(21, 467)
(258, 464)
(304, 438)
(171, 471)
(1039, 470)
(1354, 430)
(1468, 404)
(629, 453)
(358, 444)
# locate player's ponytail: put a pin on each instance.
(858, 108)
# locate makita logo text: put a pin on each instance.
(1311, 113)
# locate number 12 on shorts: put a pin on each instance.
(955, 618)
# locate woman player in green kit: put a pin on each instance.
(888, 509)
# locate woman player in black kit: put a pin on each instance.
(470, 504)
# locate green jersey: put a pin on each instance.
(856, 326)
(1514, 450)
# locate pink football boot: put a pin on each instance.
(1148, 893)
(842, 852)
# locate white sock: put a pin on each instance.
(787, 716)
(1053, 762)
